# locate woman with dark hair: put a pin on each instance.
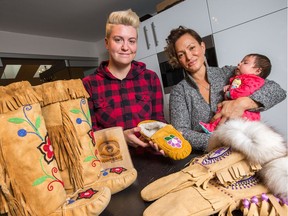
(196, 98)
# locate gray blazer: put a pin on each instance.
(187, 106)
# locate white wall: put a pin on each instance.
(101, 50)
(266, 35)
(37, 45)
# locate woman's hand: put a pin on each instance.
(132, 139)
(155, 146)
(231, 109)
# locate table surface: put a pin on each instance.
(149, 167)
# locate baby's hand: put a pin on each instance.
(225, 88)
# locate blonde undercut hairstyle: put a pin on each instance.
(126, 17)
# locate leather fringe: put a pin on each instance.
(12, 201)
(61, 90)
(16, 95)
(266, 205)
(236, 172)
(67, 149)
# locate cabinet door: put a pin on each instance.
(226, 13)
(190, 13)
(146, 42)
(266, 35)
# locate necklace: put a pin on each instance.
(206, 88)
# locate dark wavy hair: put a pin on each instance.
(174, 35)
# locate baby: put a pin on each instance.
(249, 76)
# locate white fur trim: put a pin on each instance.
(275, 176)
(254, 139)
(151, 127)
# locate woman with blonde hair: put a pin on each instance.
(123, 92)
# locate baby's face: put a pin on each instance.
(247, 66)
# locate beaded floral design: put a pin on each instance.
(216, 155)
(87, 194)
(85, 118)
(116, 170)
(46, 150)
(44, 147)
(47, 176)
(244, 183)
(173, 141)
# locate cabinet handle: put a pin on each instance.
(146, 37)
(154, 34)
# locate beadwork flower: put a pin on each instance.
(86, 194)
(173, 141)
(47, 150)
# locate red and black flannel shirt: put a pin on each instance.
(126, 102)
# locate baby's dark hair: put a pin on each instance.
(263, 62)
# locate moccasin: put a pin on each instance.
(167, 138)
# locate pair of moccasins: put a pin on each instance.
(51, 162)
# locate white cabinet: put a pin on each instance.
(226, 13)
(146, 39)
(154, 31)
(189, 13)
(266, 35)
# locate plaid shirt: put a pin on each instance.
(126, 102)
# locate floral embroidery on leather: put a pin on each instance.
(44, 147)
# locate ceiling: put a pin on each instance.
(82, 20)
